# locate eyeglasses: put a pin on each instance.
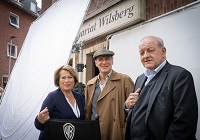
(102, 59)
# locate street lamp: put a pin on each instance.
(10, 48)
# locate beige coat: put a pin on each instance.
(110, 105)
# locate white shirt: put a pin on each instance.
(101, 85)
(150, 74)
(74, 108)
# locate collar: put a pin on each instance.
(148, 72)
(107, 77)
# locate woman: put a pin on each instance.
(63, 103)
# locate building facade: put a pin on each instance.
(106, 17)
(117, 24)
(46, 4)
(15, 20)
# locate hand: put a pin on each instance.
(132, 98)
(43, 116)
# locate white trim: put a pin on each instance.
(17, 20)
(15, 53)
(33, 7)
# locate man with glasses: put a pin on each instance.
(105, 96)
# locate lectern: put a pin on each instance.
(65, 129)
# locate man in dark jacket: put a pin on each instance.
(166, 106)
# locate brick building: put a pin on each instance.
(46, 4)
(15, 20)
(151, 9)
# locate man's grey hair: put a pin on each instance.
(159, 40)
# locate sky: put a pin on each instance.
(39, 3)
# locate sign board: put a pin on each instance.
(115, 18)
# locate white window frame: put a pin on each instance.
(33, 7)
(13, 55)
(17, 20)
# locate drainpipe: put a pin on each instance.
(107, 41)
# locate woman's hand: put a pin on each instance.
(43, 116)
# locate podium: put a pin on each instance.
(66, 129)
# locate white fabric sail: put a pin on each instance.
(46, 47)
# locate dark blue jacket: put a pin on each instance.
(59, 108)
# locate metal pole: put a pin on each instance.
(80, 66)
(10, 48)
(80, 62)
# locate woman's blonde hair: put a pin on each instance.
(68, 68)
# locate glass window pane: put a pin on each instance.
(13, 20)
(33, 7)
(13, 51)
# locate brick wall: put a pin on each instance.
(46, 4)
(96, 4)
(7, 31)
(156, 8)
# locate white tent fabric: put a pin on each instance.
(46, 47)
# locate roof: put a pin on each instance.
(23, 7)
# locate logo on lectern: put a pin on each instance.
(69, 131)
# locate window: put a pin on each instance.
(12, 50)
(4, 80)
(33, 7)
(14, 20)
